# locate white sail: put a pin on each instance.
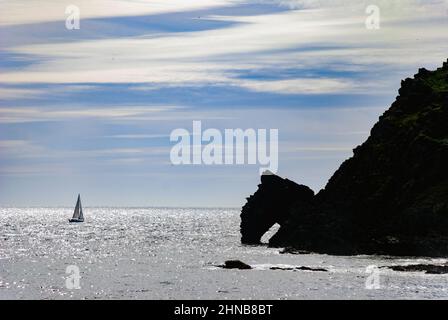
(76, 212)
(81, 216)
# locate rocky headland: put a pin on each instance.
(390, 197)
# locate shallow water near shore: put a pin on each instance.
(166, 253)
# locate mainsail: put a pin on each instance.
(81, 217)
(77, 214)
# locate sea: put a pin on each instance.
(175, 253)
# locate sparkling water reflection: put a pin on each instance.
(165, 253)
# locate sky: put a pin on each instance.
(90, 110)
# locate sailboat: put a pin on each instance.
(77, 214)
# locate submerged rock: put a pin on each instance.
(235, 264)
(311, 269)
(292, 250)
(391, 197)
(427, 268)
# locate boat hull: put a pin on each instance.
(75, 220)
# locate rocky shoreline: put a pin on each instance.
(390, 197)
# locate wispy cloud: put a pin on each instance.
(36, 11)
(14, 93)
(137, 136)
(122, 114)
(270, 40)
(301, 86)
(27, 114)
(13, 143)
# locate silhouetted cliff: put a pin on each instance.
(391, 197)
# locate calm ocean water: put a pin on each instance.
(153, 253)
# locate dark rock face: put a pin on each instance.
(269, 205)
(391, 197)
